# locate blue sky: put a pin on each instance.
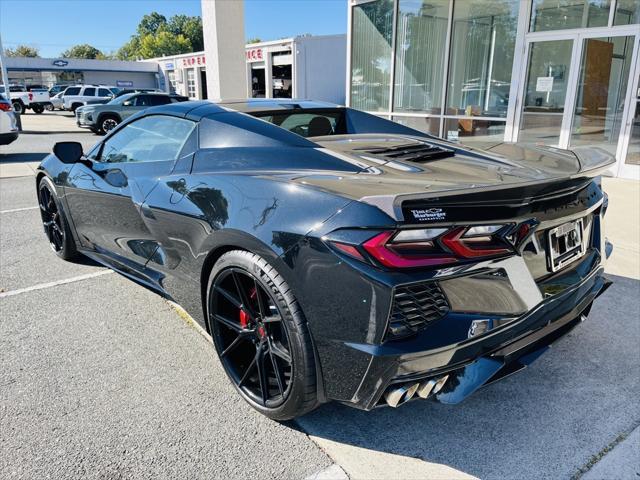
(55, 25)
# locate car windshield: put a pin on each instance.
(307, 123)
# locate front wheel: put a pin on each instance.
(106, 124)
(54, 222)
(49, 107)
(261, 336)
(18, 107)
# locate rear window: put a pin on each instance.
(72, 91)
(308, 123)
(103, 92)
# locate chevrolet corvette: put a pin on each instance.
(333, 255)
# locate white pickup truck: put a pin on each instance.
(23, 99)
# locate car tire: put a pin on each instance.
(54, 221)
(18, 107)
(38, 109)
(49, 107)
(75, 106)
(295, 394)
(106, 123)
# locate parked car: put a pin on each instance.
(8, 122)
(57, 89)
(79, 95)
(56, 102)
(103, 118)
(23, 100)
(369, 263)
(124, 91)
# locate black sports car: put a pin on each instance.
(368, 263)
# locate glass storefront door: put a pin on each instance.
(545, 95)
(579, 89)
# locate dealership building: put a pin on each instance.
(289, 68)
(69, 71)
(562, 73)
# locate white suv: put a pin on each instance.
(79, 95)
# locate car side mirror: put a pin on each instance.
(68, 152)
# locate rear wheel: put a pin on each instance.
(38, 109)
(55, 224)
(261, 336)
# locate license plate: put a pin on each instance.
(566, 244)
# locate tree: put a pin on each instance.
(156, 37)
(190, 27)
(163, 43)
(151, 23)
(254, 40)
(83, 51)
(22, 51)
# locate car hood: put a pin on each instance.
(390, 176)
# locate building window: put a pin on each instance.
(627, 12)
(420, 55)
(482, 45)
(171, 76)
(371, 55)
(429, 125)
(478, 132)
(561, 14)
(191, 83)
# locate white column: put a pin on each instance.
(224, 46)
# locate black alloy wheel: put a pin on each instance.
(107, 124)
(251, 337)
(18, 107)
(53, 221)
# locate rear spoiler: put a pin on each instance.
(591, 162)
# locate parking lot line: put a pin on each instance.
(42, 286)
(19, 209)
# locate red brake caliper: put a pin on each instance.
(244, 317)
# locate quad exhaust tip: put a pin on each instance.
(396, 396)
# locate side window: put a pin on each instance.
(103, 92)
(159, 99)
(72, 91)
(155, 138)
(89, 92)
(143, 101)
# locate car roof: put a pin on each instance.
(250, 105)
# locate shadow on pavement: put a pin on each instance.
(22, 157)
(546, 422)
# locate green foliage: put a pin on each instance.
(22, 51)
(156, 36)
(83, 51)
(254, 40)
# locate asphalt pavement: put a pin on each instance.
(101, 378)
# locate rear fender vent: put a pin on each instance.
(419, 153)
(414, 307)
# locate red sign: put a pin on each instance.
(254, 54)
(191, 61)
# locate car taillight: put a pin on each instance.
(5, 107)
(430, 247)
